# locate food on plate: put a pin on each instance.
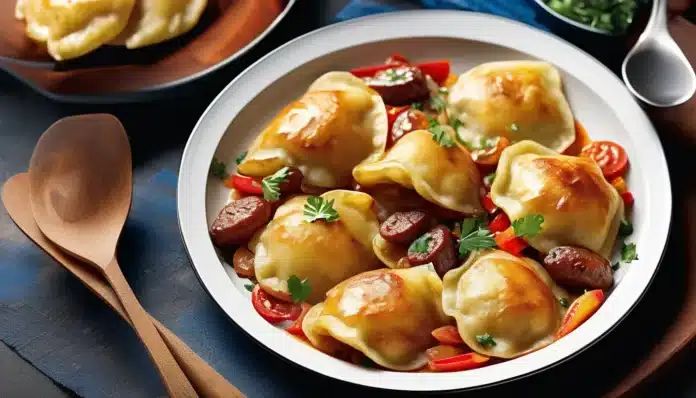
(155, 21)
(71, 29)
(518, 100)
(436, 255)
(578, 205)
(612, 16)
(444, 175)
(386, 314)
(504, 305)
(323, 251)
(335, 125)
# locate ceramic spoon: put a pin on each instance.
(656, 70)
(206, 381)
(80, 177)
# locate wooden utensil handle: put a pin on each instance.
(173, 377)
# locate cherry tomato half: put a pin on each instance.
(245, 185)
(470, 360)
(610, 157)
(272, 309)
(296, 327)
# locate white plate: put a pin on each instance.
(598, 98)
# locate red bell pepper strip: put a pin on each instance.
(470, 360)
(508, 241)
(488, 204)
(438, 70)
(245, 185)
(580, 310)
(500, 223)
(448, 335)
(628, 199)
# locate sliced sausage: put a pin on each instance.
(243, 262)
(577, 267)
(293, 184)
(404, 226)
(440, 251)
(238, 221)
(400, 85)
(407, 121)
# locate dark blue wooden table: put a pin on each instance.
(158, 132)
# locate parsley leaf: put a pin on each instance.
(249, 286)
(317, 208)
(529, 225)
(299, 289)
(218, 169)
(470, 225)
(482, 238)
(271, 184)
(421, 244)
(514, 127)
(438, 103)
(456, 124)
(417, 106)
(563, 302)
(625, 228)
(485, 340)
(239, 159)
(628, 252)
(443, 90)
(439, 134)
(615, 266)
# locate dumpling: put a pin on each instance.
(511, 299)
(155, 21)
(324, 253)
(386, 314)
(335, 125)
(444, 176)
(520, 100)
(579, 206)
(72, 28)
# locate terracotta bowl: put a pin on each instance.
(227, 29)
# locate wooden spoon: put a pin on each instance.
(206, 381)
(80, 176)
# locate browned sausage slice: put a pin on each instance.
(404, 226)
(577, 267)
(440, 251)
(400, 85)
(243, 262)
(238, 221)
(293, 184)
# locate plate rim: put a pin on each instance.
(146, 92)
(197, 244)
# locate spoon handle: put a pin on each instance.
(658, 19)
(173, 377)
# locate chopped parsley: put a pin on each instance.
(239, 159)
(528, 226)
(417, 106)
(485, 340)
(470, 225)
(481, 238)
(483, 143)
(317, 208)
(488, 180)
(625, 228)
(438, 103)
(421, 244)
(514, 127)
(615, 266)
(299, 288)
(563, 302)
(628, 252)
(396, 75)
(456, 124)
(271, 184)
(249, 286)
(443, 90)
(439, 134)
(218, 169)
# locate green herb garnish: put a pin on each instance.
(218, 169)
(613, 16)
(438, 103)
(417, 106)
(470, 225)
(271, 184)
(396, 75)
(528, 226)
(485, 340)
(299, 289)
(439, 134)
(456, 124)
(563, 302)
(625, 228)
(239, 159)
(628, 252)
(317, 208)
(420, 245)
(481, 238)
(488, 180)
(249, 287)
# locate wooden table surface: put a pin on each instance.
(24, 115)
